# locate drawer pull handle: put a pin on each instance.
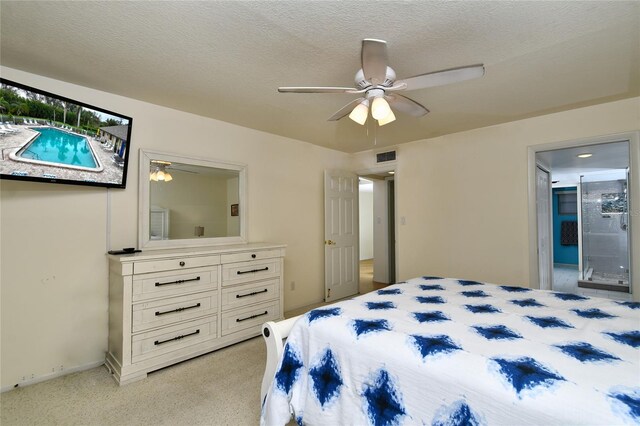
(197, 305)
(238, 296)
(253, 256)
(252, 316)
(266, 268)
(182, 336)
(158, 284)
(182, 263)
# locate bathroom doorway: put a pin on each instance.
(591, 234)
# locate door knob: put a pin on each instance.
(330, 243)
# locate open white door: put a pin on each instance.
(545, 236)
(341, 252)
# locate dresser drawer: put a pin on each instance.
(236, 273)
(254, 316)
(246, 294)
(250, 255)
(144, 267)
(168, 284)
(173, 338)
(171, 310)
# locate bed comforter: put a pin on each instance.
(449, 352)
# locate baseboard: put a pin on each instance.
(50, 376)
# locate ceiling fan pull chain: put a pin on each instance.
(375, 133)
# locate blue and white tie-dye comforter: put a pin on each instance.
(450, 352)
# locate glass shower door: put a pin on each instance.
(605, 234)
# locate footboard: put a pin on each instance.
(274, 334)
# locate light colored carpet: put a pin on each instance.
(221, 388)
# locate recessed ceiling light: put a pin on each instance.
(585, 155)
(391, 173)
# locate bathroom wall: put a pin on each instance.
(564, 254)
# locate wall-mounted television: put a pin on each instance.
(45, 137)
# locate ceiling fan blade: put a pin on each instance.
(317, 90)
(345, 110)
(374, 60)
(396, 87)
(440, 78)
(406, 105)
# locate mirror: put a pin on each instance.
(186, 202)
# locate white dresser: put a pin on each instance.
(166, 306)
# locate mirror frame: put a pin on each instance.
(144, 241)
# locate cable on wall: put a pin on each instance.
(108, 239)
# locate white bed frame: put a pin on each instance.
(274, 334)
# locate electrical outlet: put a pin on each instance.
(293, 285)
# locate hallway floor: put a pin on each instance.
(565, 279)
(367, 285)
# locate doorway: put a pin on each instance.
(590, 215)
(543, 186)
(377, 230)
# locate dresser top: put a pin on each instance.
(193, 251)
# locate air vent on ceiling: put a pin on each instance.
(383, 157)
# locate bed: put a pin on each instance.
(444, 351)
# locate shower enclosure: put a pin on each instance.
(605, 231)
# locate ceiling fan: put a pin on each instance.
(376, 82)
(160, 171)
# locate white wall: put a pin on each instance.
(366, 221)
(464, 195)
(380, 232)
(54, 278)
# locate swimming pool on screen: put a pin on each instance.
(59, 148)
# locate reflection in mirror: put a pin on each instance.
(192, 201)
(189, 202)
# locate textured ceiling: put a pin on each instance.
(225, 59)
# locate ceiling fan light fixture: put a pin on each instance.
(380, 108)
(388, 119)
(360, 112)
(160, 173)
